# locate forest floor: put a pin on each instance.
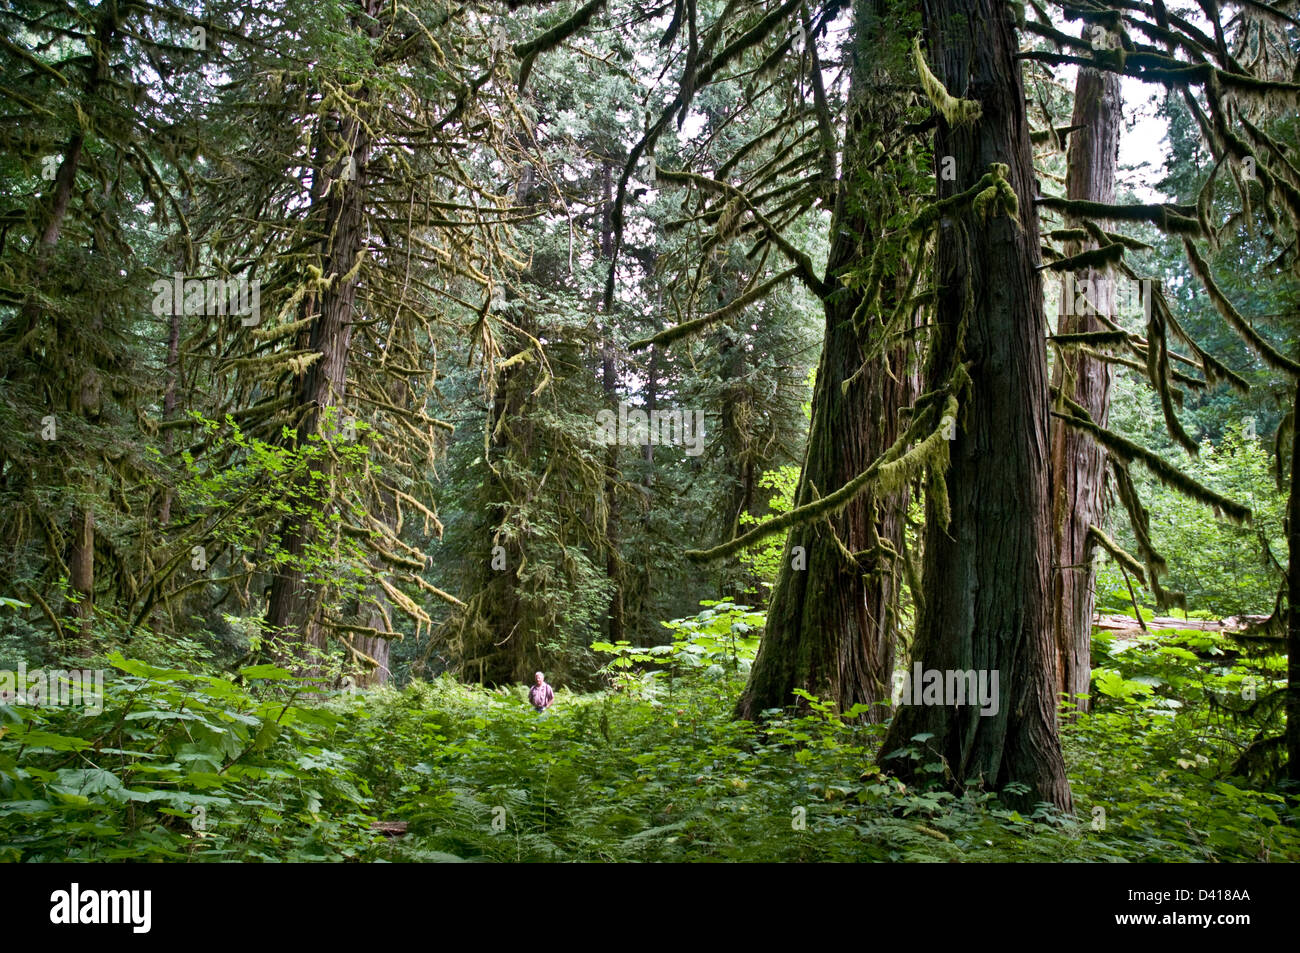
(187, 766)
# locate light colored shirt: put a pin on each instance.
(541, 695)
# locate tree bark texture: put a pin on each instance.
(1078, 462)
(832, 624)
(986, 575)
(295, 605)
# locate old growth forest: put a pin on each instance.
(875, 419)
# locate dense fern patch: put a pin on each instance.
(182, 765)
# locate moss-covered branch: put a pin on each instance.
(1117, 552)
(1176, 219)
(955, 111)
(669, 335)
(528, 52)
(1128, 451)
(1270, 354)
(889, 472)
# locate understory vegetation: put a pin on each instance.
(187, 765)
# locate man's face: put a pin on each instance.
(539, 678)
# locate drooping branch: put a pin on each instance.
(893, 469)
(1166, 473)
(528, 52)
(1270, 354)
(669, 335)
(803, 266)
(1121, 557)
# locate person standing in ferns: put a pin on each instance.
(541, 695)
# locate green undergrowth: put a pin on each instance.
(183, 766)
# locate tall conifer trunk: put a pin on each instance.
(294, 605)
(614, 567)
(81, 389)
(1293, 602)
(986, 575)
(831, 626)
(1078, 463)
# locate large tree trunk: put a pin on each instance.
(1078, 462)
(831, 626)
(294, 606)
(1293, 602)
(614, 566)
(81, 572)
(498, 637)
(170, 401)
(495, 639)
(986, 575)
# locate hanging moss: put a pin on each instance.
(1117, 552)
(991, 192)
(1139, 366)
(1270, 354)
(1140, 523)
(528, 52)
(1009, 201)
(1285, 431)
(1158, 372)
(1096, 258)
(956, 112)
(1166, 473)
(1204, 199)
(668, 336)
(888, 473)
(931, 452)
(1176, 219)
(1056, 134)
(936, 489)
(1091, 337)
(1132, 244)
(806, 272)
(1211, 367)
(983, 201)
(1288, 169)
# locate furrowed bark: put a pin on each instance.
(1293, 602)
(294, 606)
(832, 623)
(1078, 462)
(986, 576)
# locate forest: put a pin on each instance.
(650, 430)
